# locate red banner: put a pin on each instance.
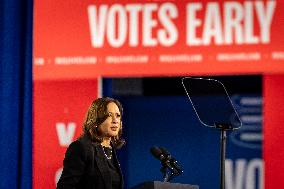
(59, 111)
(86, 39)
(273, 151)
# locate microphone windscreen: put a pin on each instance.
(156, 152)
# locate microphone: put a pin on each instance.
(157, 153)
(170, 167)
(174, 163)
(165, 152)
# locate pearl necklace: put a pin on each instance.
(108, 157)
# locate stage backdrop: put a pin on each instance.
(84, 39)
(170, 121)
(59, 111)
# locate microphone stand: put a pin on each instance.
(165, 174)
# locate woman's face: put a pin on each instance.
(111, 126)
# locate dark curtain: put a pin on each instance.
(16, 94)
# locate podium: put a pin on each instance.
(163, 185)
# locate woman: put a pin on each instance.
(90, 161)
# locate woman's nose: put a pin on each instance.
(114, 119)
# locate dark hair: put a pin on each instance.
(96, 115)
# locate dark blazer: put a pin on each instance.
(85, 167)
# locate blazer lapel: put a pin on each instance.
(102, 165)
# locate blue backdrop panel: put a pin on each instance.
(16, 94)
(171, 122)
